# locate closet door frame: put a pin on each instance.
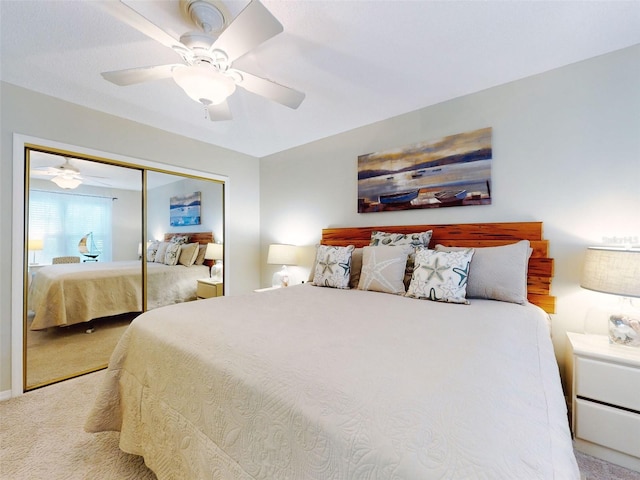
(18, 251)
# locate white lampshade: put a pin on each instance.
(35, 244)
(214, 251)
(282, 255)
(612, 270)
(66, 182)
(204, 83)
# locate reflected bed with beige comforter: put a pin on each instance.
(66, 294)
(321, 383)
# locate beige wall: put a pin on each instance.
(35, 115)
(566, 151)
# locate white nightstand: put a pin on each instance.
(266, 289)
(209, 288)
(604, 388)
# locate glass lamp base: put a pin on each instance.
(624, 326)
(280, 278)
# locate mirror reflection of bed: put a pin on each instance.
(76, 312)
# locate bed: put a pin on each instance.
(311, 382)
(67, 294)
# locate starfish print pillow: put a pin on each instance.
(333, 266)
(441, 276)
(383, 269)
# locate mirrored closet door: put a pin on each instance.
(92, 263)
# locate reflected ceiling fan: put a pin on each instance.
(207, 74)
(66, 176)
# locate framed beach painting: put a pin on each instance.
(450, 171)
(185, 210)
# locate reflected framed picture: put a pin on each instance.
(447, 172)
(185, 209)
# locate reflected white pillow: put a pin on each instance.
(161, 252)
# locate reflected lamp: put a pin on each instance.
(34, 245)
(215, 251)
(282, 255)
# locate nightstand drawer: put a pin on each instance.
(607, 382)
(208, 289)
(609, 427)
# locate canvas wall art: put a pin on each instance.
(185, 210)
(451, 171)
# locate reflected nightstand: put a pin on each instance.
(209, 288)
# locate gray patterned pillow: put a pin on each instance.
(333, 266)
(172, 254)
(441, 276)
(416, 240)
(383, 269)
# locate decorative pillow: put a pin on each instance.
(188, 254)
(498, 273)
(356, 267)
(441, 276)
(333, 266)
(180, 239)
(161, 252)
(202, 249)
(383, 269)
(416, 240)
(172, 254)
(151, 250)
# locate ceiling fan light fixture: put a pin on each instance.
(204, 83)
(66, 182)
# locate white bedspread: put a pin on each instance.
(67, 294)
(317, 383)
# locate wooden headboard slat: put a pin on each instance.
(541, 266)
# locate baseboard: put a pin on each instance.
(6, 395)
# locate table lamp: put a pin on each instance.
(282, 255)
(215, 251)
(33, 245)
(616, 271)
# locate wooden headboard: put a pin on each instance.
(540, 271)
(201, 237)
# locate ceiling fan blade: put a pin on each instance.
(132, 76)
(271, 90)
(128, 15)
(253, 25)
(219, 112)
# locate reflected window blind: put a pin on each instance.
(62, 219)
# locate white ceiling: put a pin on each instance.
(357, 61)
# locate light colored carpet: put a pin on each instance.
(42, 438)
(62, 352)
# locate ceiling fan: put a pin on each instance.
(207, 74)
(66, 176)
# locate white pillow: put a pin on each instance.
(151, 250)
(333, 266)
(161, 252)
(383, 269)
(441, 276)
(188, 254)
(498, 273)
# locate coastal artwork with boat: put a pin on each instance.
(185, 210)
(451, 171)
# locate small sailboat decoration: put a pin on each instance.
(87, 247)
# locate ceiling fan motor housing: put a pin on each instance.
(205, 14)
